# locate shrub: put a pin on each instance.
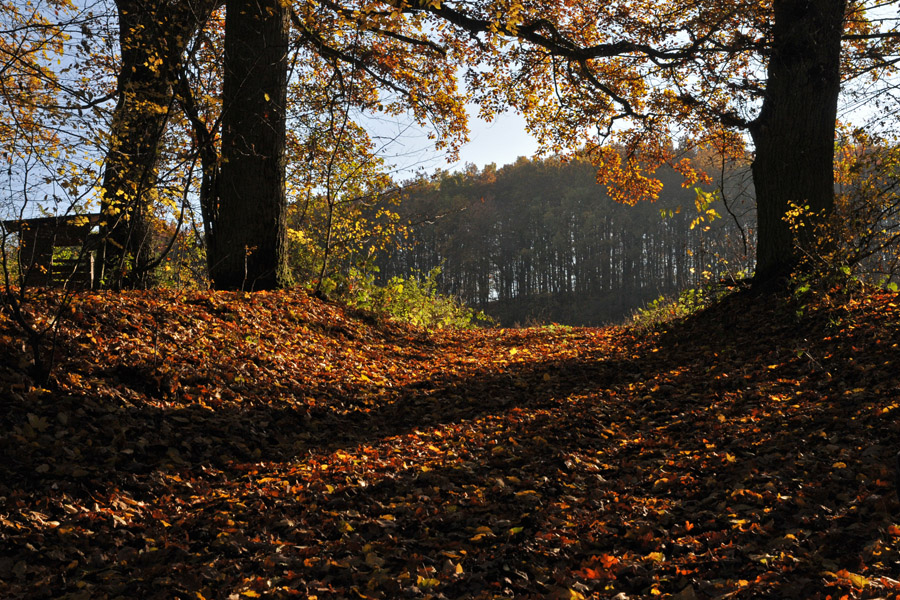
(412, 300)
(666, 309)
(857, 243)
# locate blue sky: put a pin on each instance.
(502, 141)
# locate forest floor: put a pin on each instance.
(230, 446)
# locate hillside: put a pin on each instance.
(215, 445)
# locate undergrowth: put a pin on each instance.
(666, 309)
(412, 300)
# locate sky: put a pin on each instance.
(502, 141)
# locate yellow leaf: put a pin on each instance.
(250, 594)
(857, 580)
(427, 582)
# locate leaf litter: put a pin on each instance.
(227, 445)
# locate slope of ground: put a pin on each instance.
(213, 445)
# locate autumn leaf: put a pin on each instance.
(265, 462)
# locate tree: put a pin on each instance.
(248, 246)
(152, 36)
(623, 78)
(46, 83)
(395, 69)
(641, 72)
(794, 133)
(340, 214)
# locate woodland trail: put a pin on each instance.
(212, 445)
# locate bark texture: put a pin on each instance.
(153, 36)
(794, 133)
(247, 248)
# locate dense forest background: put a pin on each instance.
(541, 241)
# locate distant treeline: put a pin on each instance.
(541, 241)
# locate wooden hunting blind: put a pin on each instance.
(55, 251)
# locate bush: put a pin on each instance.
(858, 243)
(411, 300)
(666, 309)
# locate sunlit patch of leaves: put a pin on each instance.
(223, 445)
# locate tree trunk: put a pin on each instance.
(794, 133)
(153, 36)
(138, 122)
(248, 246)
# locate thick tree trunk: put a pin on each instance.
(794, 133)
(153, 36)
(248, 245)
(138, 122)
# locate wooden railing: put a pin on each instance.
(73, 273)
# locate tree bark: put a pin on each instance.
(138, 122)
(794, 133)
(153, 36)
(247, 249)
